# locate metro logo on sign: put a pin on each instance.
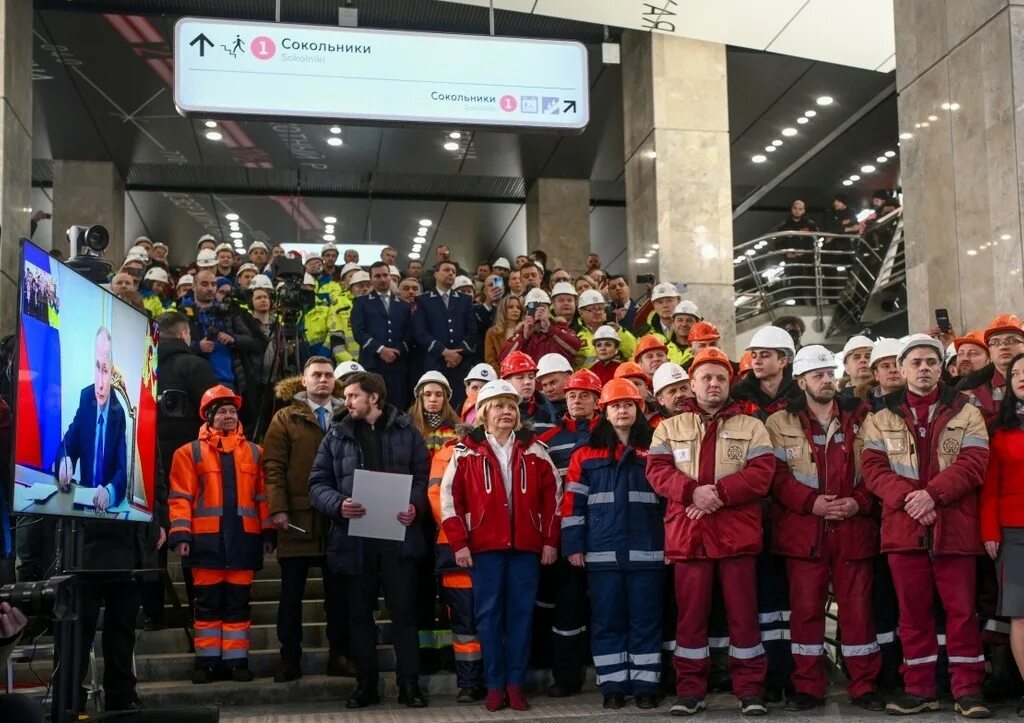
(226, 67)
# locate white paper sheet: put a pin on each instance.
(384, 495)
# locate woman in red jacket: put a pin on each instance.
(498, 501)
(1002, 508)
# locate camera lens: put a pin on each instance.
(97, 238)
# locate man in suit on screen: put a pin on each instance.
(95, 441)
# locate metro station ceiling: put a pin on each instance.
(102, 91)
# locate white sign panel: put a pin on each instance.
(227, 67)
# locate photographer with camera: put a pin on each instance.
(539, 333)
(14, 707)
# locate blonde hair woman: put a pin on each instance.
(508, 314)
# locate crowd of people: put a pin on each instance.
(594, 482)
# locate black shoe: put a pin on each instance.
(646, 702)
(471, 695)
(364, 696)
(339, 667)
(753, 705)
(614, 701)
(972, 706)
(152, 625)
(121, 702)
(687, 705)
(288, 671)
(803, 702)
(774, 693)
(564, 690)
(409, 694)
(202, 676)
(908, 704)
(242, 675)
(869, 701)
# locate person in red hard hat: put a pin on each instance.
(520, 370)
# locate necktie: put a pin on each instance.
(321, 415)
(445, 298)
(97, 475)
(386, 298)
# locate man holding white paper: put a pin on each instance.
(374, 437)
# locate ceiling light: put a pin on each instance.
(738, 260)
(233, 225)
(881, 159)
(417, 240)
(906, 135)
(236, 234)
(455, 135)
(213, 135)
(954, 106)
(750, 252)
(421, 231)
(335, 129)
(426, 222)
(1005, 237)
(847, 182)
(417, 247)
(810, 113)
(801, 120)
(789, 132)
(854, 177)
(790, 302)
(231, 216)
(933, 117)
(651, 155)
(925, 124)
(759, 158)
(451, 146)
(641, 261)
(328, 237)
(334, 141)
(211, 124)
(330, 219)
(945, 106)
(972, 252)
(824, 100)
(329, 228)
(769, 149)
(649, 254)
(777, 143)
(840, 269)
(655, 246)
(867, 169)
(890, 154)
(413, 255)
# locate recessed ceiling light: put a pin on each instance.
(972, 252)
(651, 154)
(426, 222)
(789, 132)
(854, 177)
(840, 268)
(769, 149)
(421, 231)
(231, 216)
(413, 255)
(881, 159)
(790, 302)
(954, 106)
(925, 124)
(933, 118)
(330, 219)
(328, 237)
(335, 129)
(417, 240)
(759, 158)
(455, 135)
(233, 225)
(777, 142)
(213, 135)
(1005, 237)
(867, 169)
(417, 247)
(824, 100)
(211, 124)
(847, 182)
(451, 146)
(236, 234)
(906, 135)
(890, 154)
(334, 141)
(750, 252)
(802, 120)
(643, 260)
(810, 113)
(655, 246)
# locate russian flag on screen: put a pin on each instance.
(38, 400)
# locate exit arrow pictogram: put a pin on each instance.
(203, 41)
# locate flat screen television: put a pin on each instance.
(85, 398)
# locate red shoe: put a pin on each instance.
(495, 700)
(516, 699)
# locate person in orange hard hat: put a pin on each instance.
(642, 381)
(971, 352)
(1004, 338)
(650, 354)
(220, 526)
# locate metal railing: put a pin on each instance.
(837, 274)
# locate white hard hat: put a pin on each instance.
(862, 342)
(313, 255)
(537, 296)
(393, 271)
(502, 263)
(261, 281)
(358, 278)
(951, 351)
(257, 245)
(885, 348)
(136, 257)
(668, 374)
(205, 237)
(139, 251)
(606, 333)
(140, 239)
(664, 290)
(482, 372)
(206, 259)
(157, 274)
(435, 377)
(248, 267)
(224, 247)
(346, 368)
(919, 340)
(159, 244)
(563, 287)
(328, 247)
(459, 282)
(308, 280)
(772, 337)
(687, 307)
(497, 388)
(813, 357)
(551, 363)
(350, 267)
(590, 297)
(186, 280)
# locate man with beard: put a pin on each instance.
(824, 526)
(671, 388)
(856, 363)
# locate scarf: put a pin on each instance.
(433, 420)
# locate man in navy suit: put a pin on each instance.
(382, 326)
(95, 441)
(444, 327)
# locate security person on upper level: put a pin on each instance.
(382, 326)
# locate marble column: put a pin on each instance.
(558, 221)
(15, 148)
(86, 193)
(959, 69)
(678, 182)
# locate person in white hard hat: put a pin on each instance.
(563, 301)
(159, 252)
(684, 316)
(246, 273)
(145, 243)
(359, 283)
(477, 377)
(155, 286)
(769, 384)
(607, 343)
(225, 261)
(184, 286)
(539, 333)
(206, 259)
(593, 315)
(824, 525)
(329, 254)
(671, 388)
(463, 285)
(314, 265)
(206, 241)
(856, 364)
(664, 298)
(140, 251)
(553, 372)
(345, 369)
(885, 372)
(134, 264)
(259, 255)
(502, 267)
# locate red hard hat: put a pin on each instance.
(1004, 324)
(215, 394)
(618, 390)
(516, 363)
(704, 331)
(648, 343)
(711, 355)
(584, 380)
(626, 370)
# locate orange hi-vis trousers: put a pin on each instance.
(222, 616)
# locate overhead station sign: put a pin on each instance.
(226, 67)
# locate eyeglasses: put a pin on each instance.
(1013, 341)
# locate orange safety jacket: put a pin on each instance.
(218, 501)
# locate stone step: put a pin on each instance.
(261, 637)
(270, 589)
(271, 569)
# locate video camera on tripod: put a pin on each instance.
(292, 299)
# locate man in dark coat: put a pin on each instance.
(382, 326)
(378, 437)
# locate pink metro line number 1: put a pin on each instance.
(263, 48)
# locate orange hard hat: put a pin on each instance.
(618, 390)
(746, 362)
(648, 343)
(704, 331)
(217, 394)
(974, 336)
(628, 370)
(583, 380)
(1004, 324)
(516, 363)
(710, 355)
